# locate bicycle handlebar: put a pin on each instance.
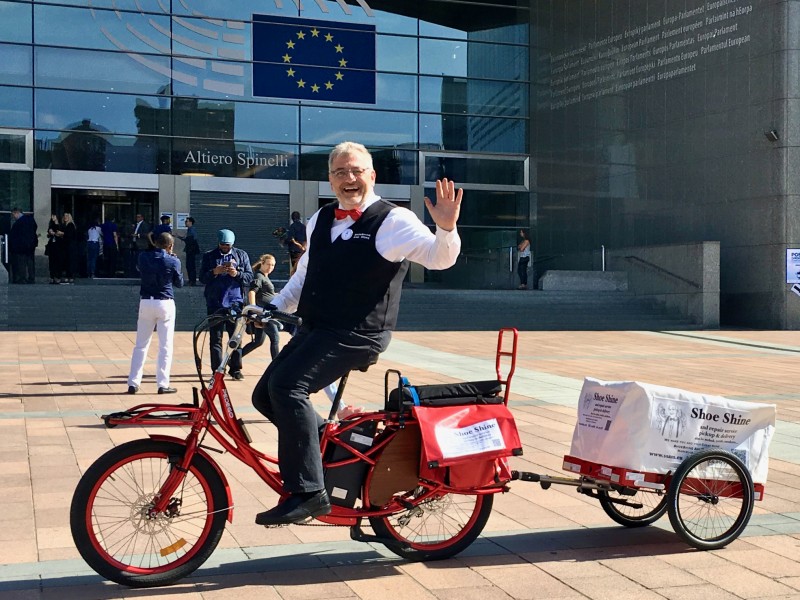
(258, 313)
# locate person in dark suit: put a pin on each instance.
(22, 242)
(139, 242)
(347, 291)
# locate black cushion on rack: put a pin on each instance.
(446, 394)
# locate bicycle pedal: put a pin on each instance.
(276, 526)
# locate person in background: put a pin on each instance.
(110, 246)
(69, 239)
(261, 293)
(139, 242)
(164, 227)
(160, 271)
(53, 249)
(225, 271)
(93, 238)
(524, 259)
(192, 249)
(22, 242)
(295, 241)
(347, 290)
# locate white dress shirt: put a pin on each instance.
(401, 236)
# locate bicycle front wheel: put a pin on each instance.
(118, 537)
(436, 529)
(710, 499)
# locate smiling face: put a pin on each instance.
(352, 178)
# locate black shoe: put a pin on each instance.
(167, 390)
(132, 389)
(237, 375)
(296, 508)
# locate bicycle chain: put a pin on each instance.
(306, 524)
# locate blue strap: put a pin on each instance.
(411, 390)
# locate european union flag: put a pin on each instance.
(313, 60)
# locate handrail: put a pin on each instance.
(543, 259)
(662, 270)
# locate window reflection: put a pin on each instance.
(86, 147)
(329, 126)
(15, 64)
(395, 53)
(153, 6)
(473, 134)
(101, 29)
(101, 71)
(15, 22)
(473, 96)
(15, 107)
(16, 189)
(462, 59)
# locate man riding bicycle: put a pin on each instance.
(347, 291)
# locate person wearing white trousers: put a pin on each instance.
(160, 270)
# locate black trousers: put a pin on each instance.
(191, 267)
(313, 358)
(22, 268)
(215, 346)
(522, 270)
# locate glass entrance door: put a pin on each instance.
(90, 206)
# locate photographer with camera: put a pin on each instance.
(225, 271)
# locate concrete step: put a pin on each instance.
(98, 305)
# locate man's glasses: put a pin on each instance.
(345, 173)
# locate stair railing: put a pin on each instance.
(661, 270)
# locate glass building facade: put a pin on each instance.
(595, 124)
(118, 102)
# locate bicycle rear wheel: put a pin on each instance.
(436, 529)
(710, 499)
(120, 540)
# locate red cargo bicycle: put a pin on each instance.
(151, 511)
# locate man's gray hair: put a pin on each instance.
(348, 148)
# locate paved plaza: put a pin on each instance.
(538, 543)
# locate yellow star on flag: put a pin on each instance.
(328, 37)
(328, 85)
(301, 83)
(290, 72)
(315, 32)
(290, 44)
(339, 76)
(339, 48)
(315, 88)
(342, 63)
(287, 58)
(301, 35)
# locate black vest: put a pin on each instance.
(349, 285)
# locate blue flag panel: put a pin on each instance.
(307, 59)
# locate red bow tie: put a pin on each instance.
(353, 213)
